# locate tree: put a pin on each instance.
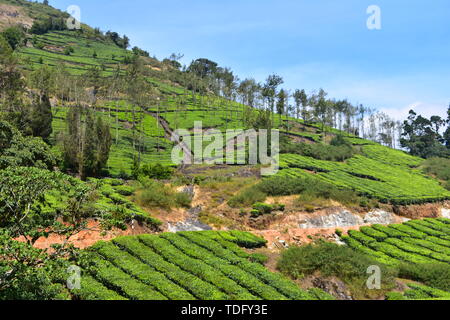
(421, 138)
(26, 272)
(203, 68)
(447, 132)
(281, 103)
(19, 151)
(12, 88)
(269, 91)
(43, 80)
(42, 118)
(15, 36)
(86, 143)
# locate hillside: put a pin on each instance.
(378, 171)
(99, 167)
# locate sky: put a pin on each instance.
(312, 44)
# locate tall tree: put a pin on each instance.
(86, 143)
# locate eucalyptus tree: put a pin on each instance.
(270, 90)
(301, 104)
(282, 98)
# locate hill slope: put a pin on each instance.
(375, 171)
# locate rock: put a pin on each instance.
(190, 190)
(195, 211)
(379, 217)
(340, 219)
(334, 287)
(188, 225)
(445, 213)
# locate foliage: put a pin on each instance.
(154, 194)
(435, 275)
(17, 150)
(439, 168)
(154, 171)
(15, 36)
(422, 137)
(333, 260)
(247, 197)
(419, 250)
(27, 273)
(188, 265)
(86, 143)
(260, 209)
(386, 176)
(333, 152)
(42, 118)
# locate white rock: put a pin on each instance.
(445, 213)
(379, 217)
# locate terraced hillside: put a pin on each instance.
(377, 172)
(184, 266)
(417, 241)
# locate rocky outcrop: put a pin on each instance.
(380, 217)
(335, 287)
(190, 224)
(342, 218)
(445, 213)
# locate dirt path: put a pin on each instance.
(170, 135)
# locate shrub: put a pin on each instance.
(332, 260)
(339, 150)
(153, 194)
(247, 197)
(260, 209)
(310, 189)
(258, 258)
(155, 171)
(435, 275)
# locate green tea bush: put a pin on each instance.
(436, 275)
(338, 150)
(155, 171)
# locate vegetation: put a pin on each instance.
(423, 138)
(85, 125)
(332, 260)
(154, 194)
(440, 169)
(187, 265)
(418, 249)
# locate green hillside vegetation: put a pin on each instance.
(85, 136)
(183, 266)
(414, 251)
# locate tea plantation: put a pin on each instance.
(184, 266)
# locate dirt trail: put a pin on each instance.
(170, 134)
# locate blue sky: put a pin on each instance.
(311, 43)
